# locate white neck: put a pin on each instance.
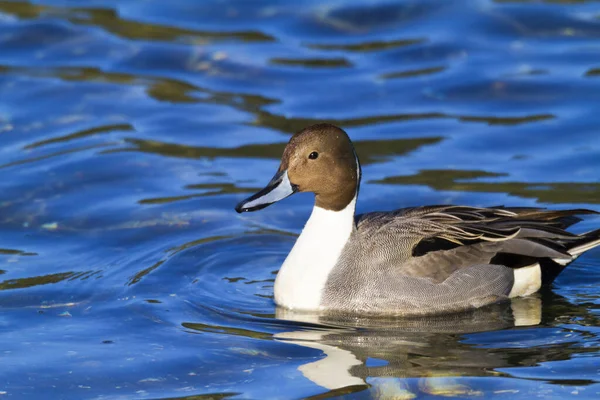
(300, 282)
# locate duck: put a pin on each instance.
(420, 260)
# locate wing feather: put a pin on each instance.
(435, 241)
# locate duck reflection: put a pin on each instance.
(358, 348)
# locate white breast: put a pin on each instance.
(302, 277)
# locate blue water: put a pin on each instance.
(130, 129)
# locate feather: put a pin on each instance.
(435, 241)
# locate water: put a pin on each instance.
(129, 130)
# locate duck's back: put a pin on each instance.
(447, 258)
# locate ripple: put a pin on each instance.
(15, 252)
(369, 151)
(312, 62)
(110, 20)
(546, 23)
(82, 134)
(194, 326)
(593, 72)
(413, 73)
(552, 192)
(508, 120)
(368, 46)
(362, 18)
(22, 283)
(210, 189)
(56, 154)
(287, 124)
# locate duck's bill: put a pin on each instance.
(279, 188)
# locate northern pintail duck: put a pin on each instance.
(418, 260)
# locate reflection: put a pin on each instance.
(560, 192)
(74, 74)
(23, 10)
(22, 283)
(412, 73)
(82, 134)
(195, 327)
(368, 46)
(414, 347)
(593, 72)
(177, 91)
(373, 16)
(371, 151)
(15, 252)
(209, 189)
(173, 91)
(565, 2)
(109, 20)
(206, 396)
(140, 274)
(312, 62)
(508, 120)
(57, 154)
(291, 125)
(159, 88)
(357, 349)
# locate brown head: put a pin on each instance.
(318, 159)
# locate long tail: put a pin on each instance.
(584, 242)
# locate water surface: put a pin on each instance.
(129, 130)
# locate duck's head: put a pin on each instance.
(318, 159)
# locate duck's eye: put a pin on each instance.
(313, 155)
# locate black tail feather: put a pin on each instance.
(551, 269)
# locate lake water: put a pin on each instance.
(130, 129)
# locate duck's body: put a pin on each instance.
(426, 260)
(412, 261)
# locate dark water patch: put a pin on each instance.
(14, 252)
(370, 151)
(110, 20)
(561, 2)
(224, 330)
(38, 280)
(413, 73)
(23, 9)
(160, 89)
(368, 46)
(138, 276)
(508, 120)
(291, 125)
(313, 62)
(554, 192)
(593, 72)
(36, 35)
(83, 134)
(209, 189)
(208, 396)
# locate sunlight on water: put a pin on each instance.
(130, 130)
